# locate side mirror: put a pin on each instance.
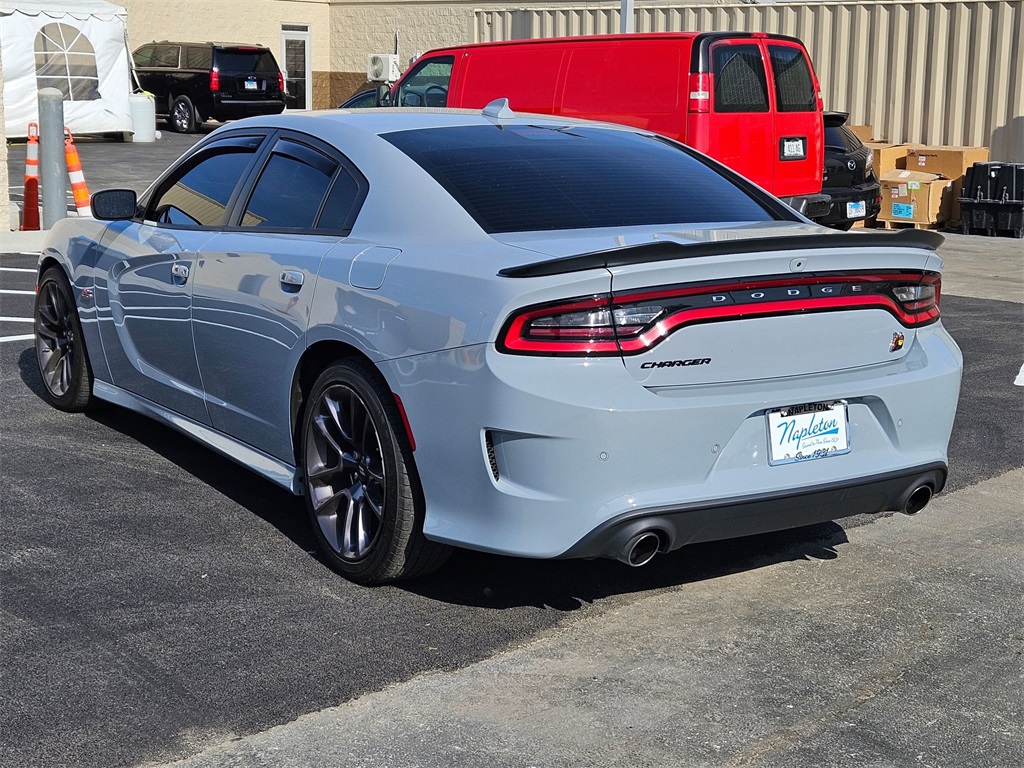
(114, 204)
(383, 96)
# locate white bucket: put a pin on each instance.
(143, 117)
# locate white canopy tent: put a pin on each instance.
(76, 46)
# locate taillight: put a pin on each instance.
(280, 82)
(700, 92)
(214, 80)
(632, 323)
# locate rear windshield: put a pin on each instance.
(843, 139)
(527, 178)
(239, 60)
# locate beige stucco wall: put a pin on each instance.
(5, 199)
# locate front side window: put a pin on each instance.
(740, 84)
(291, 188)
(198, 195)
(794, 87)
(524, 178)
(427, 84)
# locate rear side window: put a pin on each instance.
(794, 87)
(529, 178)
(246, 60)
(740, 84)
(291, 188)
(143, 56)
(198, 58)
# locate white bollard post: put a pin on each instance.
(53, 169)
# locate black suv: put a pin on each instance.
(193, 82)
(848, 178)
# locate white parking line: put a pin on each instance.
(17, 269)
(16, 320)
(19, 293)
(29, 337)
(1019, 381)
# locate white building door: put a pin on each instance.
(297, 65)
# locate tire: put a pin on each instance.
(60, 345)
(362, 494)
(182, 115)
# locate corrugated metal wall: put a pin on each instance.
(931, 72)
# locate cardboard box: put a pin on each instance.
(863, 132)
(951, 162)
(888, 157)
(915, 198)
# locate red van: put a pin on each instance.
(749, 100)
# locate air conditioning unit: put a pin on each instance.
(382, 67)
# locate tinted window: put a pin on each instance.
(200, 196)
(841, 138)
(794, 88)
(143, 56)
(241, 60)
(198, 58)
(340, 209)
(523, 178)
(740, 84)
(427, 84)
(290, 189)
(165, 56)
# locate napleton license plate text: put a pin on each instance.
(808, 431)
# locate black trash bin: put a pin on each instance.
(993, 200)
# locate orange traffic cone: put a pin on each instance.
(30, 206)
(78, 187)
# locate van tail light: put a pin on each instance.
(821, 102)
(214, 80)
(280, 82)
(634, 322)
(700, 92)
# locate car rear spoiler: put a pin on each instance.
(665, 250)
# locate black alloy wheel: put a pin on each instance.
(60, 345)
(362, 494)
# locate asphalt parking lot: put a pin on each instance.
(159, 603)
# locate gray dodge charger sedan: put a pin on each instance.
(519, 334)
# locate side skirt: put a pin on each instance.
(274, 470)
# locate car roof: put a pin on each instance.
(331, 124)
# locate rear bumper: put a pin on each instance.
(727, 519)
(840, 196)
(223, 109)
(811, 206)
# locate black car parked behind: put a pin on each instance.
(848, 176)
(193, 82)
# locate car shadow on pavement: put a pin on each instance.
(472, 579)
(481, 580)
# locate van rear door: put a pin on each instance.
(739, 128)
(799, 133)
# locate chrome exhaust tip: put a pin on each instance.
(917, 500)
(640, 549)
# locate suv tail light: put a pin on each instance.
(631, 323)
(280, 82)
(700, 92)
(214, 80)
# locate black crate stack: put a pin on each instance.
(993, 200)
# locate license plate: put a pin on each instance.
(250, 85)
(808, 431)
(793, 148)
(856, 210)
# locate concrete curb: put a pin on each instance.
(23, 242)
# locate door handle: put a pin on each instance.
(291, 278)
(180, 271)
